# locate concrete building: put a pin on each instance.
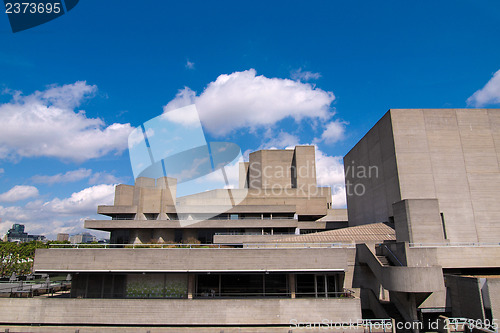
(419, 239)
(278, 195)
(17, 234)
(62, 237)
(242, 284)
(83, 237)
(435, 175)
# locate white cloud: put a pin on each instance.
(283, 140)
(19, 192)
(68, 177)
(339, 199)
(489, 94)
(300, 75)
(83, 202)
(104, 178)
(59, 215)
(189, 64)
(137, 136)
(2, 171)
(329, 169)
(46, 123)
(77, 175)
(334, 131)
(245, 100)
(330, 172)
(185, 116)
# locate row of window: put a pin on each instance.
(240, 216)
(175, 285)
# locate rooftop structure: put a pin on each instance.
(278, 194)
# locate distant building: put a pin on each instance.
(83, 237)
(62, 237)
(17, 234)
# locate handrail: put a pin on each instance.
(215, 218)
(346, 293)
(25, 287)
(206, 246)
(455, 244)
(388, 249)
(255, 234)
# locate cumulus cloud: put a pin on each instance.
(330, 172)
(68, 177)
(19, 192)
(58, 215)
(77, 175)
(104, 178)
(246, 100)
(489, 94)
(83, 202)
(300, 75)
(334, 131)
(283, 140)
(46, 123)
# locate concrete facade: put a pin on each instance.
(449, 155)
(431, 176)
(434, 175)
(277, 187)
(159, 312)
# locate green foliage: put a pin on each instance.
(18, 258)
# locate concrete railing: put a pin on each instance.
(205, 246)
(456, 244)
(185, 312)
(402, 278)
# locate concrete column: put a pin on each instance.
(191, 286)
(291, 284)
(407, 306)
(140, 236)
(164, 235)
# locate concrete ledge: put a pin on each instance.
(184, 260)
(188, 224)
(468, 257)
(245, 239)
(176, 312)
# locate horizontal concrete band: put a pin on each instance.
(177, 312)
(188, 271)
(300, 259)
(194, 224)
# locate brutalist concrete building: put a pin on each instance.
(421, 239)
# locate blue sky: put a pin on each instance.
(263, 74)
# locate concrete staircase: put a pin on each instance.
(384, 260)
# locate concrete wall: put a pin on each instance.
(468, 257)
(175, 259)
(402, 278)
(465, 296)
(418, 220)
(304, 167)
(448, 154)
(176, 312)
(494, 296)
(270, 168)
(371, 178)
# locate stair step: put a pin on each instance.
(384, 260)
